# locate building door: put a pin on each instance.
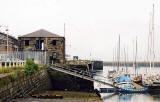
(39, 44)
(54, 55)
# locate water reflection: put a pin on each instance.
(156, 96)
(111, 97)
(118, 97)
(125, 97)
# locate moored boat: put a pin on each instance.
(138, 79)
(126, 85)
(152, 82)
(111, 73)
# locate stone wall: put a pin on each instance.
(59, 48)
(24, 86)
(62, 81)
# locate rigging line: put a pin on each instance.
(153, 36)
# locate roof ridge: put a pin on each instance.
(41, 33)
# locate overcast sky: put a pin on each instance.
(92, 26)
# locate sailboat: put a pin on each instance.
(124, 83)
(152, 80)
(137, 78)
(112, 73)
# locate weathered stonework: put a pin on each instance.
(57, 48)
(24, 86)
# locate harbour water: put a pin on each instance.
(111, 97)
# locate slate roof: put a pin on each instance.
(41, 33)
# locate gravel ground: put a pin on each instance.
(67, 97)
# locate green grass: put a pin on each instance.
(5, 70)
(11, 74)
(8, 75)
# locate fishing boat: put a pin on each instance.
(126, 85)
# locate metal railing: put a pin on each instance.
(80, 74)
(40, 57)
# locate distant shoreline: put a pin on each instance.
(130, 64)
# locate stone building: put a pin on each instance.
(12, 43)
(43, 40)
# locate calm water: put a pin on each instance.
(111, 97)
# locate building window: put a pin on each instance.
(40, 44)
(54, 42)
(26, 42)
(54, 55)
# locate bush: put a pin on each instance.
(13, 77)
(31, 67)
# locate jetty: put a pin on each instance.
(80, 74)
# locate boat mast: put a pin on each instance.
(133, 57)
(148, 50)
(136, 58)
(116, 64)
(153, 36)
(125, 61)
(113, 59)
(150, 43)
(118, 55)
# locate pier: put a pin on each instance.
(80, 74)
